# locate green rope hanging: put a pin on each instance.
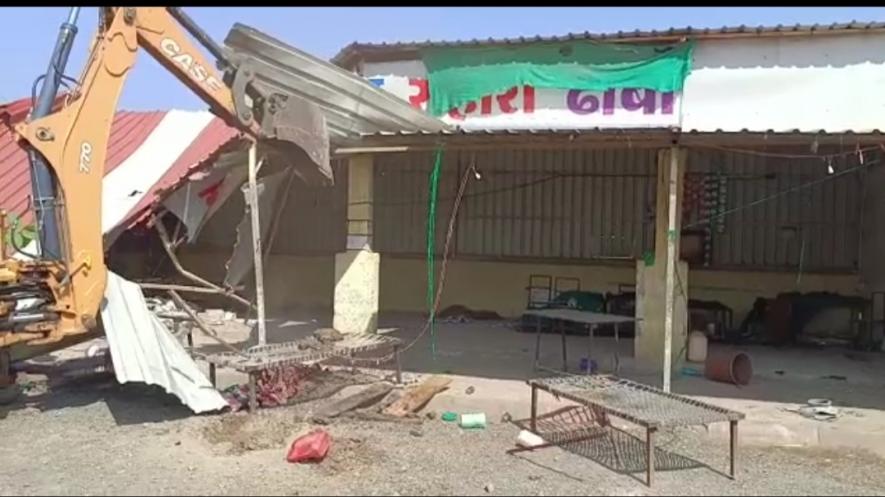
(431, 248)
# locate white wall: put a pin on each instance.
(832, 83)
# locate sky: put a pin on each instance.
(29, 33)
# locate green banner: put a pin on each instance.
(457, 76)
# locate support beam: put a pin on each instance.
(673, 235)
(256, 242)
(662, 280)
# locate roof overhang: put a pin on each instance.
(349, 56)
(392, 142)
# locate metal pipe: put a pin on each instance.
(28, 318)
(256, 242)
(42, 177)
(222, 61)
(732, 445)
(201, 36)
(649, 455)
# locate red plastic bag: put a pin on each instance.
(311, 447)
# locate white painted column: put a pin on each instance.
(357, 269)
(662, 285)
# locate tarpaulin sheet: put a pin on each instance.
(458, 76)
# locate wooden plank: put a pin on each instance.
(371, 415)
(365, 397)
(417, 397)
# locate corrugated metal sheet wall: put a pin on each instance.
(314, 219)
(599, 204)
(580, 205)
(562, 204)
(817, 224)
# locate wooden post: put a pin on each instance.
(669, 289)
(256, 242)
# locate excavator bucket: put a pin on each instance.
(294, 133)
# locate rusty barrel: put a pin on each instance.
(729, 366)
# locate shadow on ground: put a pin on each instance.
(129, 404)
(575, 430)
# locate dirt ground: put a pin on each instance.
(100, 438)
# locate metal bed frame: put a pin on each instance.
(261, 357)
(643, 405)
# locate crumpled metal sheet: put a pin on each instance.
(143, 349)
(351, 105)
(201, 196)
(242, 260)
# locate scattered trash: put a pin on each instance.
(312, 447)
(276, 385)
(817, 409)
(416, 433)
(506, 417)
(834, 377)
(473, 421)
(534, 477)
(430, 415)
(687, 371)
(528, 439)
(449, 417)
(320, 420)
(328, 335)
(729, 367)
(489, 488)
(591, 363)
(462, 314)
(470, 390)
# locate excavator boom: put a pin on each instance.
(53, 300)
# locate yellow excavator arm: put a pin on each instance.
(54, 300)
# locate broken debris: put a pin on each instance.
(417, 397)
(473, 421)
(818, 410)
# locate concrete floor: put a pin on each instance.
(495, 350)
(495, 359)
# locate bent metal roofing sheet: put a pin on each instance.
(352, 106)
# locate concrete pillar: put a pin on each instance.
(357, 269)
(651, 280)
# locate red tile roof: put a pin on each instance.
(128, 131)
